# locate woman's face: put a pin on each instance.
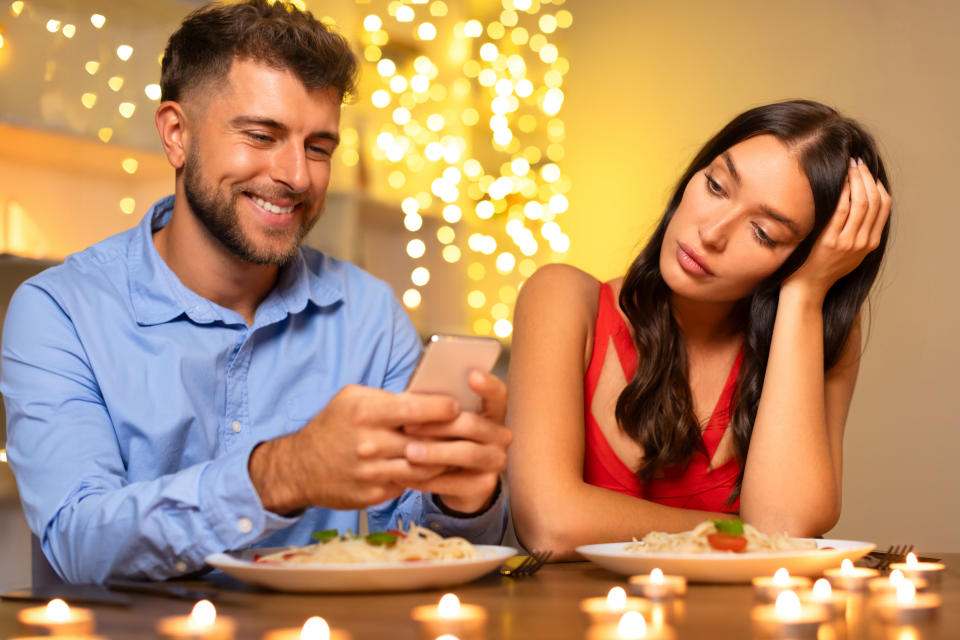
(739, 220)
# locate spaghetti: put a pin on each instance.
(417, 544)
(696, 541)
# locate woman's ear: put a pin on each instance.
(171, 125)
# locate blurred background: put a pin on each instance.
(490, 137)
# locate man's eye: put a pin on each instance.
(259, 137)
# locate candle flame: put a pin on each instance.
(315, 628)
(912, 559)
(896, 576)
(632, 625)
(617, 598)
(822, 590)
(656, 576)
(449, 606)
(58, 610)
(447, 636)
(908, 633)
(846, 567)
(203, 616)
(781, 577)
(788, 605)
(906, 592)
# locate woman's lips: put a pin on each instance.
(691, 261)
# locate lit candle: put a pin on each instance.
(849, 577)
(203, 623)
(907, 606)
(58, 619)
(658, 586)
(629, 626)
(888, 585)
(610, 609)
(789, 618)
(465, 621)
(823, 594)
(932, 572)
(315, 628)
(768, 589)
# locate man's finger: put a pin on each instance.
(493, 392)
(458, 453)
(467, 427)
(375, 407)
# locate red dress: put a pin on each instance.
(695, 487)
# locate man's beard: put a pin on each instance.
(222, 221)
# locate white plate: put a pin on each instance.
(726, 566)
(380, 576)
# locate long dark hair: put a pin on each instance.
(656, 407)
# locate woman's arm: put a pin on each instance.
(553, 508)
(793, 475)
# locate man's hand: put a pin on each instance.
(351, 454)
(472, 450)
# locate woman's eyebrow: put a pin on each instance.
(769, 211)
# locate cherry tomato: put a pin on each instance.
(727, 542)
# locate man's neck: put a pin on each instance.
(207, 268)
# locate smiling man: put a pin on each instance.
(202, 382)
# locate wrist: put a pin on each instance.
(803, 294)
(268, 466)
(466, 508)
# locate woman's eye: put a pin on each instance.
(762, 236)
(713, 186)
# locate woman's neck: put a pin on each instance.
(706, 323)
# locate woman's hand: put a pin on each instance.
(854, 230)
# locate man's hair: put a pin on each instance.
(273, 33)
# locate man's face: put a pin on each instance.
(258, 161)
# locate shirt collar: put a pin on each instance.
(158, 296)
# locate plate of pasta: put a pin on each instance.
(394, 560)
(716, 551)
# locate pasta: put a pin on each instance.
(696, 541)
(415, 544)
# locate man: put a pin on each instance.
(202, 383)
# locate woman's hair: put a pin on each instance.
(656, 407)
(276, 34)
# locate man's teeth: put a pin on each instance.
(272, 208)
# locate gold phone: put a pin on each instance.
(446, 362)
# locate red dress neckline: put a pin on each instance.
(696, 486)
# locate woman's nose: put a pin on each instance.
(714, 230)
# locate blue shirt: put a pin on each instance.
(133, 405)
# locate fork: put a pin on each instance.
(895, 553)
(529, 566)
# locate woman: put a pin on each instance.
(721, 381)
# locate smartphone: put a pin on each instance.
(446, 362)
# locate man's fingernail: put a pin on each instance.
(853, 163)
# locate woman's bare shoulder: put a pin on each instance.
(561, 286)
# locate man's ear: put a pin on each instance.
(172, 126)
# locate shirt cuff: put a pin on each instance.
(232, 505)
(485, 527)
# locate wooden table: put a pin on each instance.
(542, 606)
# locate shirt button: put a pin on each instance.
(436, 526)
(181, 567)
(244, 525)
(236, 426)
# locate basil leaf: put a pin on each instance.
(326, 535)
(381, 538)
(733, 527)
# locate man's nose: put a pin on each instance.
(290, 167)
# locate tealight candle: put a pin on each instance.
(203, 623)
(907, 606)
(932, 572)
(888, 585)
(823, 594)
(630, 626)
(59, 619)
(315, 628)
(849, 577)
(789, 618)
(658, 586)
(610, 609)
(465, 621)
(769, 589)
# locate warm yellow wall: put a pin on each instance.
(650, 81)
